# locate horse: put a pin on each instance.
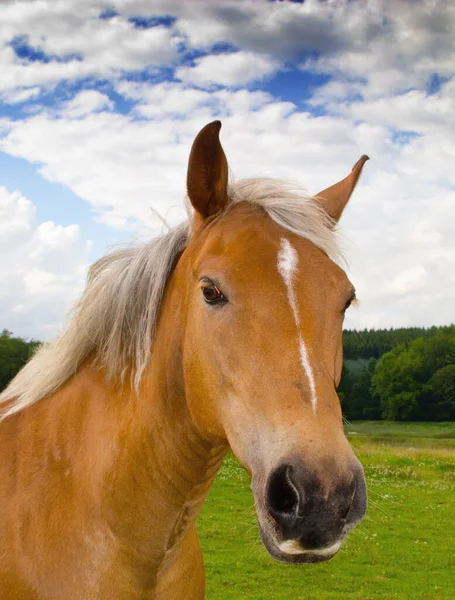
(224, 331)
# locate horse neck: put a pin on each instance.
(167, 466)
(131, 466)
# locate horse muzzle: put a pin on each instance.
(299, 520)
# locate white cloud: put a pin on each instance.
(171, 100)
(42, 268)
(86, 102)
(164, 99)
(379, 62)
(375, 45)
(412, 279)
(77, 43)
(16, 96)
(282, 29)
(402, 251)
(414, 111)
(388, 52)
(123, 167)
(233, 69)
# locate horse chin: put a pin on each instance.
(291, 552)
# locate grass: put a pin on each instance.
(408, 434)
(404, 549)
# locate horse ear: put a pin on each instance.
(335, 197)
(207, 179)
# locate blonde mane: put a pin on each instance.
(115, 319)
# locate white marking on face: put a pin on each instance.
(294, 547)
(287, 267)
(309, 372)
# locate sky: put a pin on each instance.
(100, 102)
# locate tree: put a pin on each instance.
(354, 391)
(344, 391)
(441, 394)
(364, 404)
(403, 379)
(397, 382)
(373, 343)
(14, 353)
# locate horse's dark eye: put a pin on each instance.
(349, 302)
(212, 294)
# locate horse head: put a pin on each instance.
(262, 350)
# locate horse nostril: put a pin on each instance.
(347, 508)
(312, 512)
(358, 499)
(283, 498)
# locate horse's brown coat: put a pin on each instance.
(100, 486)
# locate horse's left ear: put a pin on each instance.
(207, 179)
(335, 197)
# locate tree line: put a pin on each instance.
(399, 374)
(394, 374)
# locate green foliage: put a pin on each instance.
(413, 382)
(396, 384)
(394, 374)
(441, 393)
(355, 394)
(373, 343)
(14, 353)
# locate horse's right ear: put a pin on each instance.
(207, 179)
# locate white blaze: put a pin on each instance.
(287, 266)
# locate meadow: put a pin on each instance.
(404, 549)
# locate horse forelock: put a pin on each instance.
(115, 319)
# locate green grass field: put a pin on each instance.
(404, 549)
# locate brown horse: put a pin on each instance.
(224, 331)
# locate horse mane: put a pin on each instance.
(115, 319)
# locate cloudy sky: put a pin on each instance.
(100, 101)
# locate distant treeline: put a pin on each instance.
(399, 374)
(373, 343)
(393, 374)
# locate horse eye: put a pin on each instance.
(349, 302)
(212, 294)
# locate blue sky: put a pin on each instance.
(100, 101)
